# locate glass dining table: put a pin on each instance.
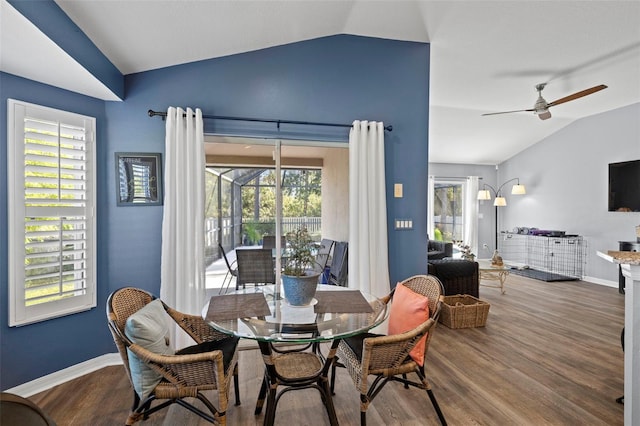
(289, 336)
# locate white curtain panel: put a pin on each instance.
(182, 277)
(368, 247)
(470, 209)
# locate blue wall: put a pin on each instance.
(34, 350)
(333, 79)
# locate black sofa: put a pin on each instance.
(439, 249)
(457, 276)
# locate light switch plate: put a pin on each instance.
(397, 190)
(403, 224)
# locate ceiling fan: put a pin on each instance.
(541, 107)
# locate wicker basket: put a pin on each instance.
(464, 311)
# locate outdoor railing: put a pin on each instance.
(252, 232)
(267, 226)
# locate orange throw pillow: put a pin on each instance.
(408, 310)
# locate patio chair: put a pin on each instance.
(269, 242)
(323, 255)
(139, 324)
(231, 271)
(255, 266)
(392, 357)
(339, 264)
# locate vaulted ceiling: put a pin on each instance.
(486, 56)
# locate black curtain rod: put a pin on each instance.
(455, 177)
(153, 113)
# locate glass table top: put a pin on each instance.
(300, 324)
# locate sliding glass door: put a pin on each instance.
(254, 176)
(447, 210)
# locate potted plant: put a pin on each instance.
(465, 251)
(251, 233)
(299, 278)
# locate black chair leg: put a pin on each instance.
(436, 407)
(432, 397)
(325, 393)
(136, 401)
(333, 375)
(406, 385)
(261, 396)
(236, 385)
(363, 414)
(270, 415)
(147, 407)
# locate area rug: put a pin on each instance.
(542, 275)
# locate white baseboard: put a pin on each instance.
(606, 283)
(50, 380)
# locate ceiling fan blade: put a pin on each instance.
(508, 112)
(577, 95)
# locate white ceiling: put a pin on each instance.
(486, 56)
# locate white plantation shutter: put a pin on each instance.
(51, 215)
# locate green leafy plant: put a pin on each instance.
(299, 254)
(251, 232)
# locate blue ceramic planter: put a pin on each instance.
(299, 291)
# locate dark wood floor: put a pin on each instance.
(549, 355)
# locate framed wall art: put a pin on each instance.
(138, 179)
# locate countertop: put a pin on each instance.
(626, 257)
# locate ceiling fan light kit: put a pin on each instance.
(541, 107)
(543, 115)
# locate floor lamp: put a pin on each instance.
(500, 201)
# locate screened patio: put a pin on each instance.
(240, 206)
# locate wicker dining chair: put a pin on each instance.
(209, 365)
(17, 410)
(291, 367)
(387, 357)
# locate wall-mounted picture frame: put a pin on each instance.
(138, 179)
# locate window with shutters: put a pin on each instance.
(52, 223)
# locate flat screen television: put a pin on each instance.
(624, 186)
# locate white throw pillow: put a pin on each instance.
(149, 328)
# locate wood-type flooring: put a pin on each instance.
(549, 354)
